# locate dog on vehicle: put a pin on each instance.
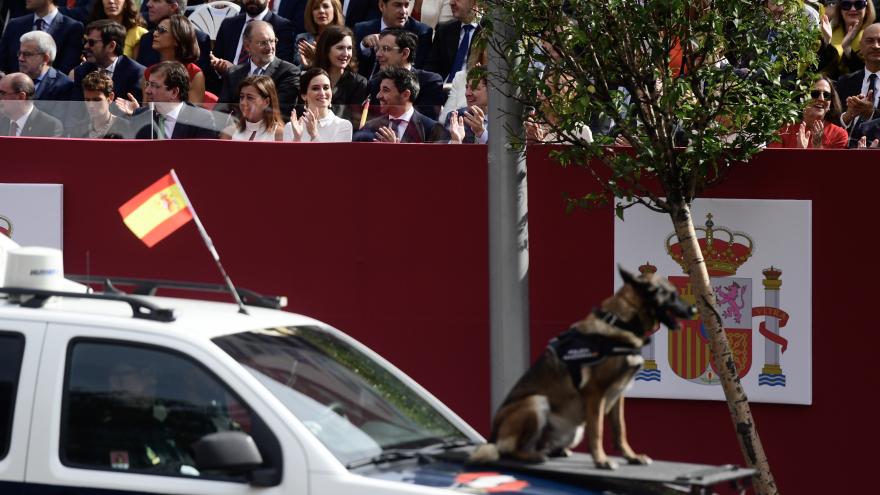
(581, 377)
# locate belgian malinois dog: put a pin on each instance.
(581, 377)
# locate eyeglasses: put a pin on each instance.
(161, 29)
(91, 42)
(28, 54)
(815, 94)
(386, 49)
(265, 43)
(847, 5)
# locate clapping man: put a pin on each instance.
(400, 122)
(471, 124)
(860, 90)
(394, 15)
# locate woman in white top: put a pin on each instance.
(317, 122)
(259, 112)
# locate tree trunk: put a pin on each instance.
(737, 402)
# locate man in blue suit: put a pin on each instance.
(35, 56)
(66, 32)
(394, 15)
(400, 122)
(105, 41)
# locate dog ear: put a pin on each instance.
(627, 276)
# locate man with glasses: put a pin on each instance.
(395, 14)
(260, 42)
(397, 48)
(35, 56)
(230, 49)
(105, 40)
(173, 116)
(18, 116)
(66, 32)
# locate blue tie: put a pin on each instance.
(462, 52)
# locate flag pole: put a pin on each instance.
(210, 245)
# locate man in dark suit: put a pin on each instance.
(470, 124)
(397, 48)
(394, 15)
(20, 117)
(400, 122)
(360, 11)
(229, 47)
(453, 40)
(105, 41)
(66, 32)
(158, 10)
(173, 117)
(35, 56)
(258, 41)
(859, 91)
(293, 11)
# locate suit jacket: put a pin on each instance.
(431, 96)
(361, 10)
(293, 11)
(128, 77)
(366, 62)
(869, 129)
(147, 56)
(851, 85)
(469, 137)
(67, 33)
(284, 74)
(192, 123)
(38, 124)
(55, 86)
(231, 29)
(420, 129)
(445, 47)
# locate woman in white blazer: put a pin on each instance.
(317, 122)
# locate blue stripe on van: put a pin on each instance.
(21, 488)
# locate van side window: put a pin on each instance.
(11, 351)
(142, 409)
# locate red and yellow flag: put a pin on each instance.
(157, 211)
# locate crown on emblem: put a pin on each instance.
(723, 250)
(772, 273)
(647, 268)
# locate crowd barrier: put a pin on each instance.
(389, 243)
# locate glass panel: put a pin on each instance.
(11, 351)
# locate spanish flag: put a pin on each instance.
(157, 211)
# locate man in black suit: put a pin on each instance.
(453, 40)
(400, 122)
(229, 49)
(470, 124)
(397, 48)
(259, 41)
(105, 41)
(174, 117)
(860, 90)
(66, 32)
(161, 9)
(394, 15)
(35, 56)
(20, 117)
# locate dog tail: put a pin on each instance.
(487, 452)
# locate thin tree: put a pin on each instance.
(692, 87)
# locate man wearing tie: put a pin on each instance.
(400, 122)
(394, 15)
(21, 118)
(260, 42)
(454, 40)
(103, 48)
(66, 32)
(229, 48)
(35, 56)
(859, 91)
(174, 117)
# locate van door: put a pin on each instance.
(20, 344)
(121, 412)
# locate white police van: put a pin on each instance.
(105, 393)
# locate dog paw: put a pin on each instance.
(560, 453)
(606, 464)
(640, 459)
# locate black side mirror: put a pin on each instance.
(228, 451)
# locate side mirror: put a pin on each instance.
(228, 451)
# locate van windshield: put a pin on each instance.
(352, 404)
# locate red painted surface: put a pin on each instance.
(389, 243)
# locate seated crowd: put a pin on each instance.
(331, 71)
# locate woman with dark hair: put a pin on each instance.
(318, 15)
(317, 122)
(125, 12)
(334, 54)
(259, 112)
(818, 129)
(175, 39)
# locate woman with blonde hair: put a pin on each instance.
(259, 112)
(841, 33)
(318, 15)
(125, 12)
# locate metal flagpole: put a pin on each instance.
(210, 245)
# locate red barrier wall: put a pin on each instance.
(389, 243)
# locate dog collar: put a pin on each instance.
(615, 321)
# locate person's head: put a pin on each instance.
(398, 89)
(105, 40)
(850, 12)
(254, 7)
(394, 12)
(463, 10)
(36, 53)
(98, 93)
(322, 13)
(397, 48)
(39, 5)
(169, 82)
(314, 88)
(134, 383)
(124, 12)
(823, 102)
(869, 47)
(477, 92)
(335, 49)
(258, 101)
(15, 91)
(260, 42)
(160, 9)
(176, 35)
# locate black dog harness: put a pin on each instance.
(577, 349)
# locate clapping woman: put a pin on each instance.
(317, 122)
(818, 128)
(318, 15)
(260, 112)
(841, 33)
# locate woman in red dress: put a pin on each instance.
(819, 127)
